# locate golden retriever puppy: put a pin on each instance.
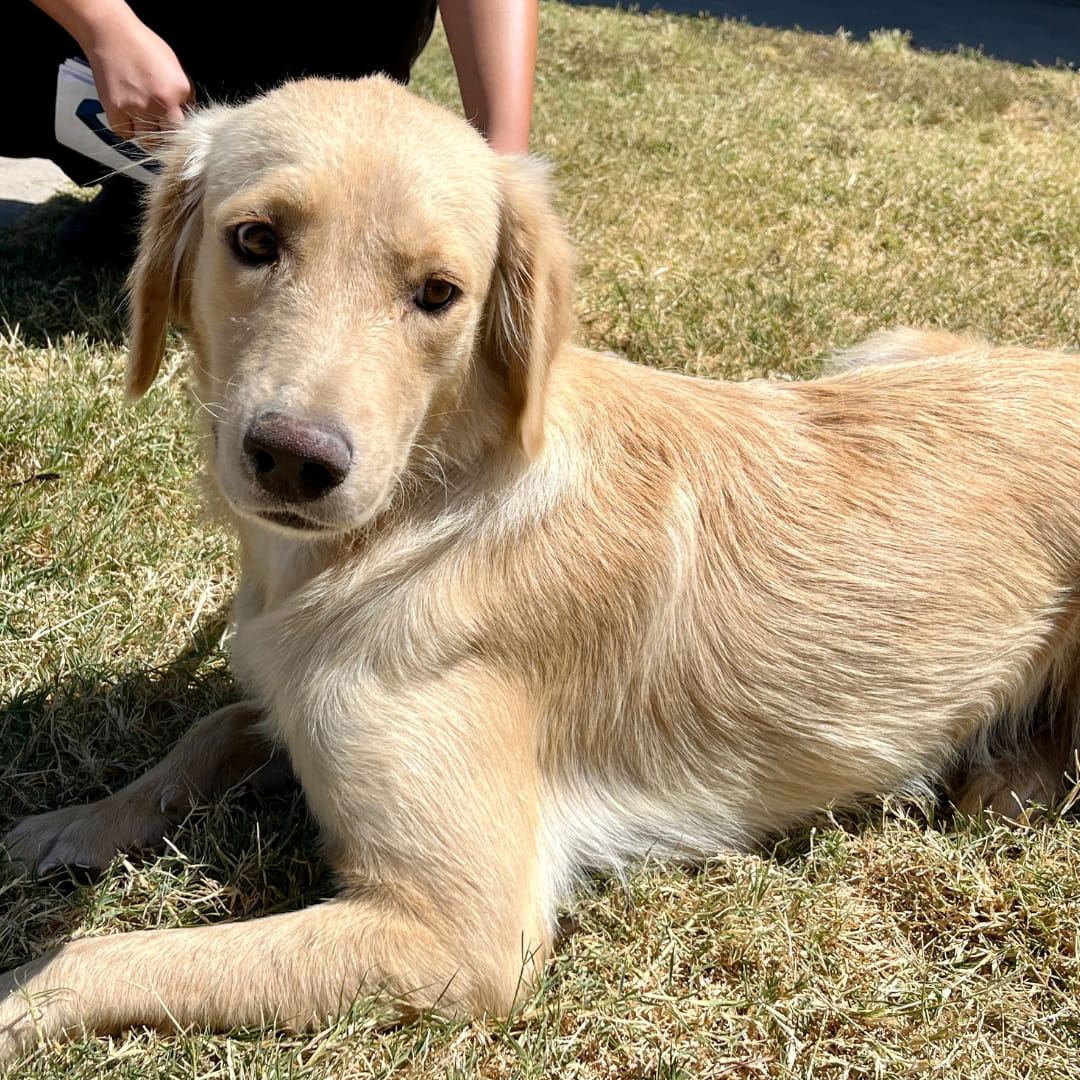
(513, 609)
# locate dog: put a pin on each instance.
(511, 609)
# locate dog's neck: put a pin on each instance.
(275, 565)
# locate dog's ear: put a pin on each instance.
(529, 307)
(158, 285)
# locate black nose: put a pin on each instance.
(296, 460)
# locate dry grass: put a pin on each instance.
(742, 200)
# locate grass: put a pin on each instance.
(742, 201)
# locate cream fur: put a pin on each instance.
(563, 610)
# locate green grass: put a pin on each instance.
(742, 201)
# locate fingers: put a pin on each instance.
(146, 113)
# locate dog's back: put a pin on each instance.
(753, 600)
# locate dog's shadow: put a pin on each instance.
(84, 736)
(47, 297)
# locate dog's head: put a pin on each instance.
(365, 285)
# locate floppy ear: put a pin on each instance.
(529, 306)
(158, 285)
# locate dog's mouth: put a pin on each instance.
(288, 520)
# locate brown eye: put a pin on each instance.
(435, 294)
(255, 242)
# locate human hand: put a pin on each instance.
(141, 84)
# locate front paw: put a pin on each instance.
(18, 1018)
(37, 1003)
(45, 842)
(88, 836)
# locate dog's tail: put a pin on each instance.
(903, 343)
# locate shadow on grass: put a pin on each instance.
(799, 842)
(47, 297)
(83, 736)
(926, 813)
(128, 716)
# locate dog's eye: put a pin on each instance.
(255, 242)
(435, 294)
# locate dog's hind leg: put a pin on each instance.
(1036, 773)
(222, 750)
(1030, 760)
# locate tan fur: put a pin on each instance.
(562, 611)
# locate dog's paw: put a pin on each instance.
(17, 1019)
(1010, 790)
(37, 1005)
(45, 842)
(88, 837)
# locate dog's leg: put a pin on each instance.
(220, 751)
(429, 798)
(1036, 774)
(296, 970)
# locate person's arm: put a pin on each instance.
(493, 43)
(140, 82)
